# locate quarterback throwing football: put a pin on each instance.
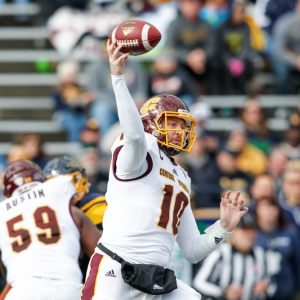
(148, 202)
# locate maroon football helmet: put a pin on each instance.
(19, 173)
(161, 107)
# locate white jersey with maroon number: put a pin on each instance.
(147, 233)
(38, 237)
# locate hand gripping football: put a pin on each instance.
(137, 37)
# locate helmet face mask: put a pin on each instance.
(161, 108)
(188, 136)
(65, 165)
(80, 183)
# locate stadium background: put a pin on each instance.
(28, 76)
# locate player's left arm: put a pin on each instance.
(196, 246)
(89, 233)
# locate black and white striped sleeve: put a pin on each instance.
(208, 277)
(260, 260)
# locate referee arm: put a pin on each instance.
(202, 281)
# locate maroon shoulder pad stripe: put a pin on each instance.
(114, 165)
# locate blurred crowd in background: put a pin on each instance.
(208, 47)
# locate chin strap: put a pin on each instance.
(169, 151)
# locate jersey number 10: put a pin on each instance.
(45, 219)
(181, 201)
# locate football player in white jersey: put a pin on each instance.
(92, 205)
(41, 235)
(148, 202)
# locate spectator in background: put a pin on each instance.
(205, 147)
(96, 170)
(167, 77)
(50, 7)
(91, 140)
(29, 146)
(257, 35)
(140, 6)
(75, 32)
(262, 187)
(163, 12)
(70, 100)
(259, 14)
(109, 138)
(104, 109)
(214, 12)
(222, 175)
(15, 153)
(286, 50)
(237, 270)
(249, 159)
(234, 55)
(275, 9)
(266, 13)
(202, 112)
(291, 203)
(291, 143)
(196, 161)
(3, 163)
(20, 4)
(277, 162)
(282, 245)
(90, 134)
(191, 38)
(256, 127)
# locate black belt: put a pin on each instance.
(113, 255)
(150, 279)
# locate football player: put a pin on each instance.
(148, 199)
(41, 235)
(92, 204)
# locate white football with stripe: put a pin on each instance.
(136, 36)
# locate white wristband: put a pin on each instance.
(214, 236)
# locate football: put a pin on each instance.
(136, 36)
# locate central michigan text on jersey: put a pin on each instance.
(160, 198)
